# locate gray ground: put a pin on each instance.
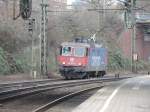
(131, 95)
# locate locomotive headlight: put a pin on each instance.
(63, 63)
(79, 64)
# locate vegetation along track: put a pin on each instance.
(11, 94)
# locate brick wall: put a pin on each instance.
(142, 48)
(125, 43)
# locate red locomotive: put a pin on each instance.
(82, 58)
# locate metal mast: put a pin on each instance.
(31, 28)
(133, 37)
(43, 40)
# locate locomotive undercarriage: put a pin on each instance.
(79, 73)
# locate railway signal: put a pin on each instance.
(25, 9)
(128, 15)
(127, 3)
(31, 25)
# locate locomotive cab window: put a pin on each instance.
(80, 51)
(66, 51)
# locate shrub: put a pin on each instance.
(4, 66)
(10, 64)
(117, 61)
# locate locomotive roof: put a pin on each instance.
(79, 44)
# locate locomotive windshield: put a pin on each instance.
(66, 51)
(80, 52)
(75, 51)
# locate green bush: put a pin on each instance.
(117, 61)
(22, 64)
(10, 64)
(142, 65)
(4, 66)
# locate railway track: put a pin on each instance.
(51, 93)
(24, 91)
(11, 94)
(17, 85)
(49, 105)
(4, 86)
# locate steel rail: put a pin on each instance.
(24, 83)
(51, 83)
(45, 85)
(23, 88)
(17, 85)
(30, 92)
(63, 98)
(66, 97)
(54, 83)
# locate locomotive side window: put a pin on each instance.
(87, 51)
(79, 52)
(66, 51)
(60, 50)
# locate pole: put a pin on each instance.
(99, 23)
(14, 9)
(104, 16)
(43, 40)
(133, 36)
(31, 28)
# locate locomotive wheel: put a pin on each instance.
(101, 73)
(85, 75)
(88, 76)
(66, 78)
